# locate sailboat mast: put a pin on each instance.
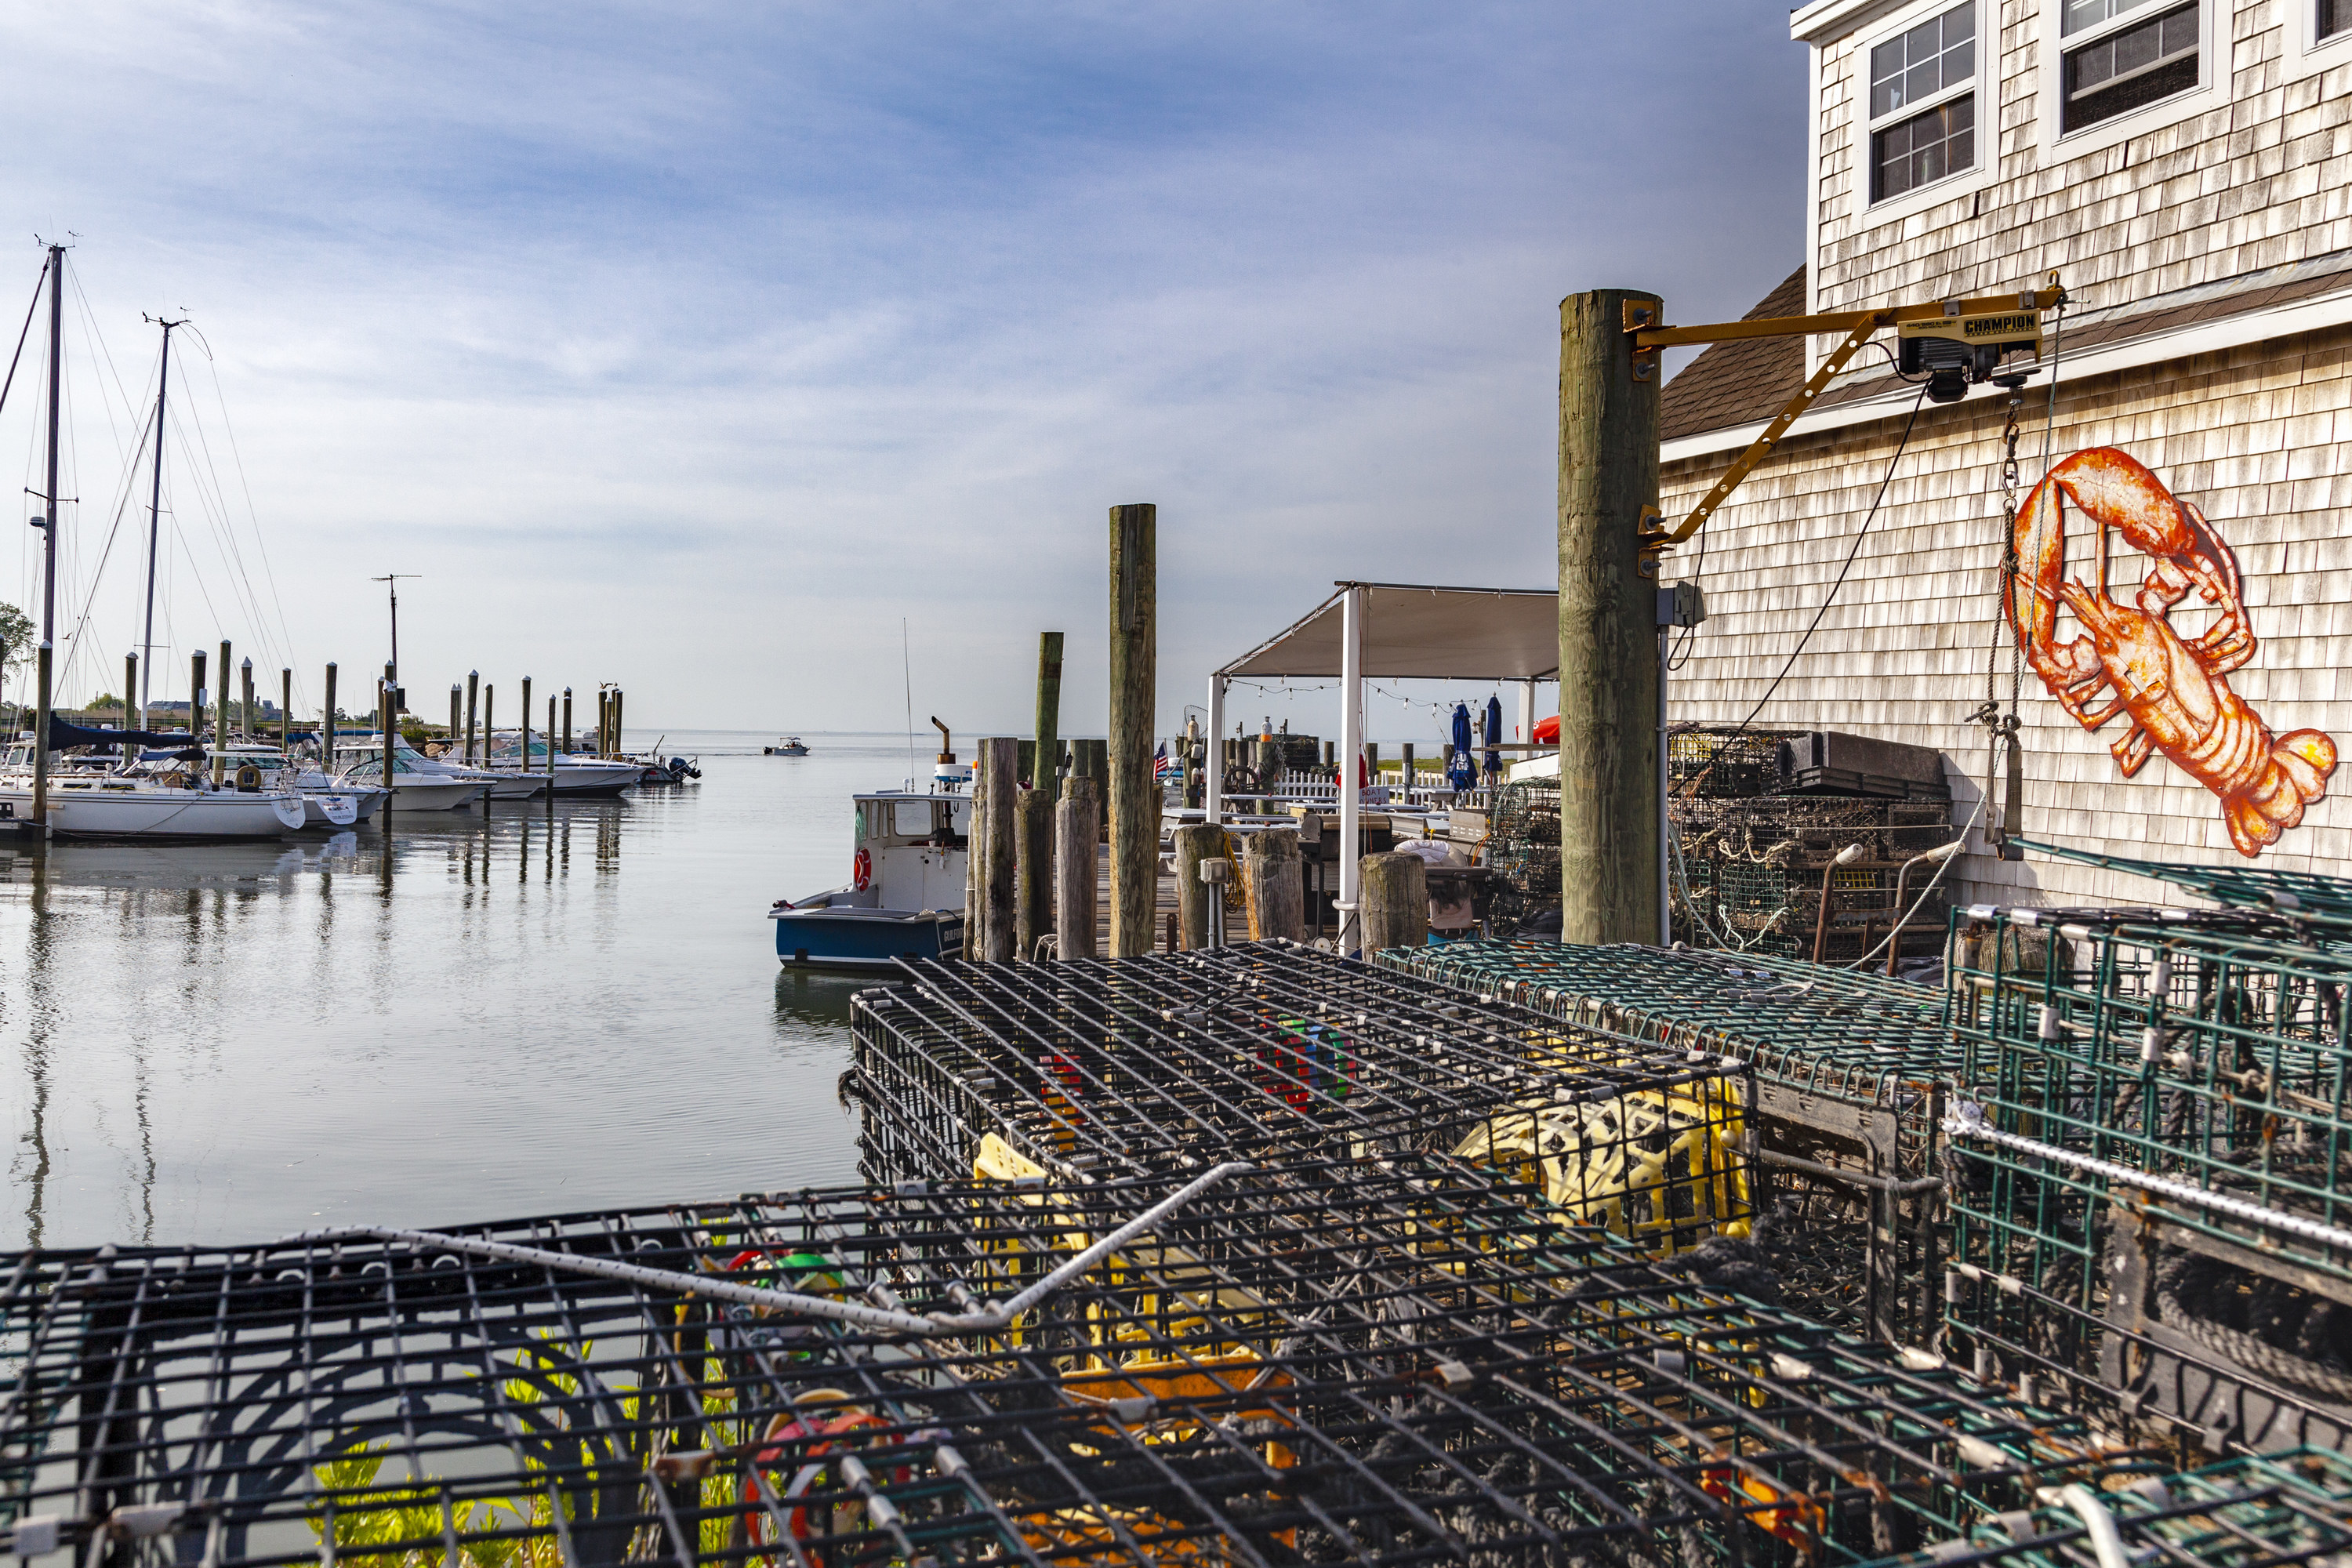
(50, 543)
(155, 519)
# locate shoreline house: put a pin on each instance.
(2186, 169)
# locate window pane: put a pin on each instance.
(2335, 16)
(2137, 64)
(1936, 56)
(1922, 149)
(2081, 13)
(911, 819)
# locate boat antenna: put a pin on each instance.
(907, 663)
(154, 520)
(392, 581)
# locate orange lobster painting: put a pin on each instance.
(2169, 687)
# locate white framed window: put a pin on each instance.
(2318, 36)
(2119, 68)
(1921, 85)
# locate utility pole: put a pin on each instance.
(392, 580)
(1609, 771)
(155, 513)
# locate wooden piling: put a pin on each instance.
(993, 847)
(1194, 842)
(286, 712)
(1609, 836)
(327, 726)
(1049, 712)
(1088, 760)
(522, 757)
(551, 751)
(489, 727)
(1274, 884)
(620, 742)
(245, 719)
(1024, 763)
(220, 722)
(130, 685)
(1409, 766)
(1078, 829)
(456, 705)
(1394, 890)
(473, 691)
(384, 730)
(567, 721)
(1033, 875)
(1134, 797)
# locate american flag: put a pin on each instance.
(1161, 766)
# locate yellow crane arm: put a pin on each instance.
(1859, 326)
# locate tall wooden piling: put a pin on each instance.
(130, 685)
(1034, 877)
(1077, 831)
(285, 713)
(1194, 842)
(244, 719)
(567, 718)
(388, 729)
(1134, 679)
(473, 691)
(522, 757)
(1274, 884)
(1090, 759)
(1609, 828)
(456, 705)
(992, 849)
(620, 742)
(195, 698)
(1049, 712)
(551, 751)
(220, 723)
(1394, 890)
(489, 724)
(327, 727)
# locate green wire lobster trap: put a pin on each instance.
(1172, 1062)
(1376, 1361)
(1848, 1069)
(2149, 1157)
(2274, 1511)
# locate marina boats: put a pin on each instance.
(788, 746)
(419, 782)
(905, 895)
(326, 803)
(178, 801)
(575, 774)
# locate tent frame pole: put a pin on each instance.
(1213, 756)
(1351, 750)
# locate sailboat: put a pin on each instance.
(186, 802)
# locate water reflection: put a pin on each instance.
(545, 1005)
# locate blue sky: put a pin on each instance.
(693, 347)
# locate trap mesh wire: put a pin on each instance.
(1849, 1068)
(1376, 1362)
(1752, 871)
(2270, 1511)
(2303, 896)
(1172, 1062)
(2150, 1147)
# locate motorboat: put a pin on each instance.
(788, 746)
(576, 774)
(177, 802)
(419, 782)
(906, 892)
(326, 803)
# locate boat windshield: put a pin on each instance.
(928, 816)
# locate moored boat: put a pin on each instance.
(787, 746)
(905, 895)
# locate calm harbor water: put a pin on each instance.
(480, 1014)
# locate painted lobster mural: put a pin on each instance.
(2170, 688)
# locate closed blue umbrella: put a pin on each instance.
(1461, 771)
(1494, 738)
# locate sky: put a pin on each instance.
(713, 350)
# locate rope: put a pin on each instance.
(2183, 1292)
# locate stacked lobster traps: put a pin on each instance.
(2151, 1164)
(1752, 874)
(1849, 1072)
(1522, 848)
(1394, 1360)
(1165, 1064)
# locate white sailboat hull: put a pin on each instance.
(95, 812)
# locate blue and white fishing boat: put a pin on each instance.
(905, 897)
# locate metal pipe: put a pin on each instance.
(1902, 878)
(928, 1325)
(1846, 856)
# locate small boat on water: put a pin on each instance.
(177, 800)
(789, 746)
(905, 895)
(419, 782)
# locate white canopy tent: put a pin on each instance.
(1395, 631)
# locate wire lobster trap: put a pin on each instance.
(1376, 1361)
(1752, 873)
(1849, 1072)
(2272, 1511)
(2151, 1164)
(1172, 1062)
(1724, 763)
